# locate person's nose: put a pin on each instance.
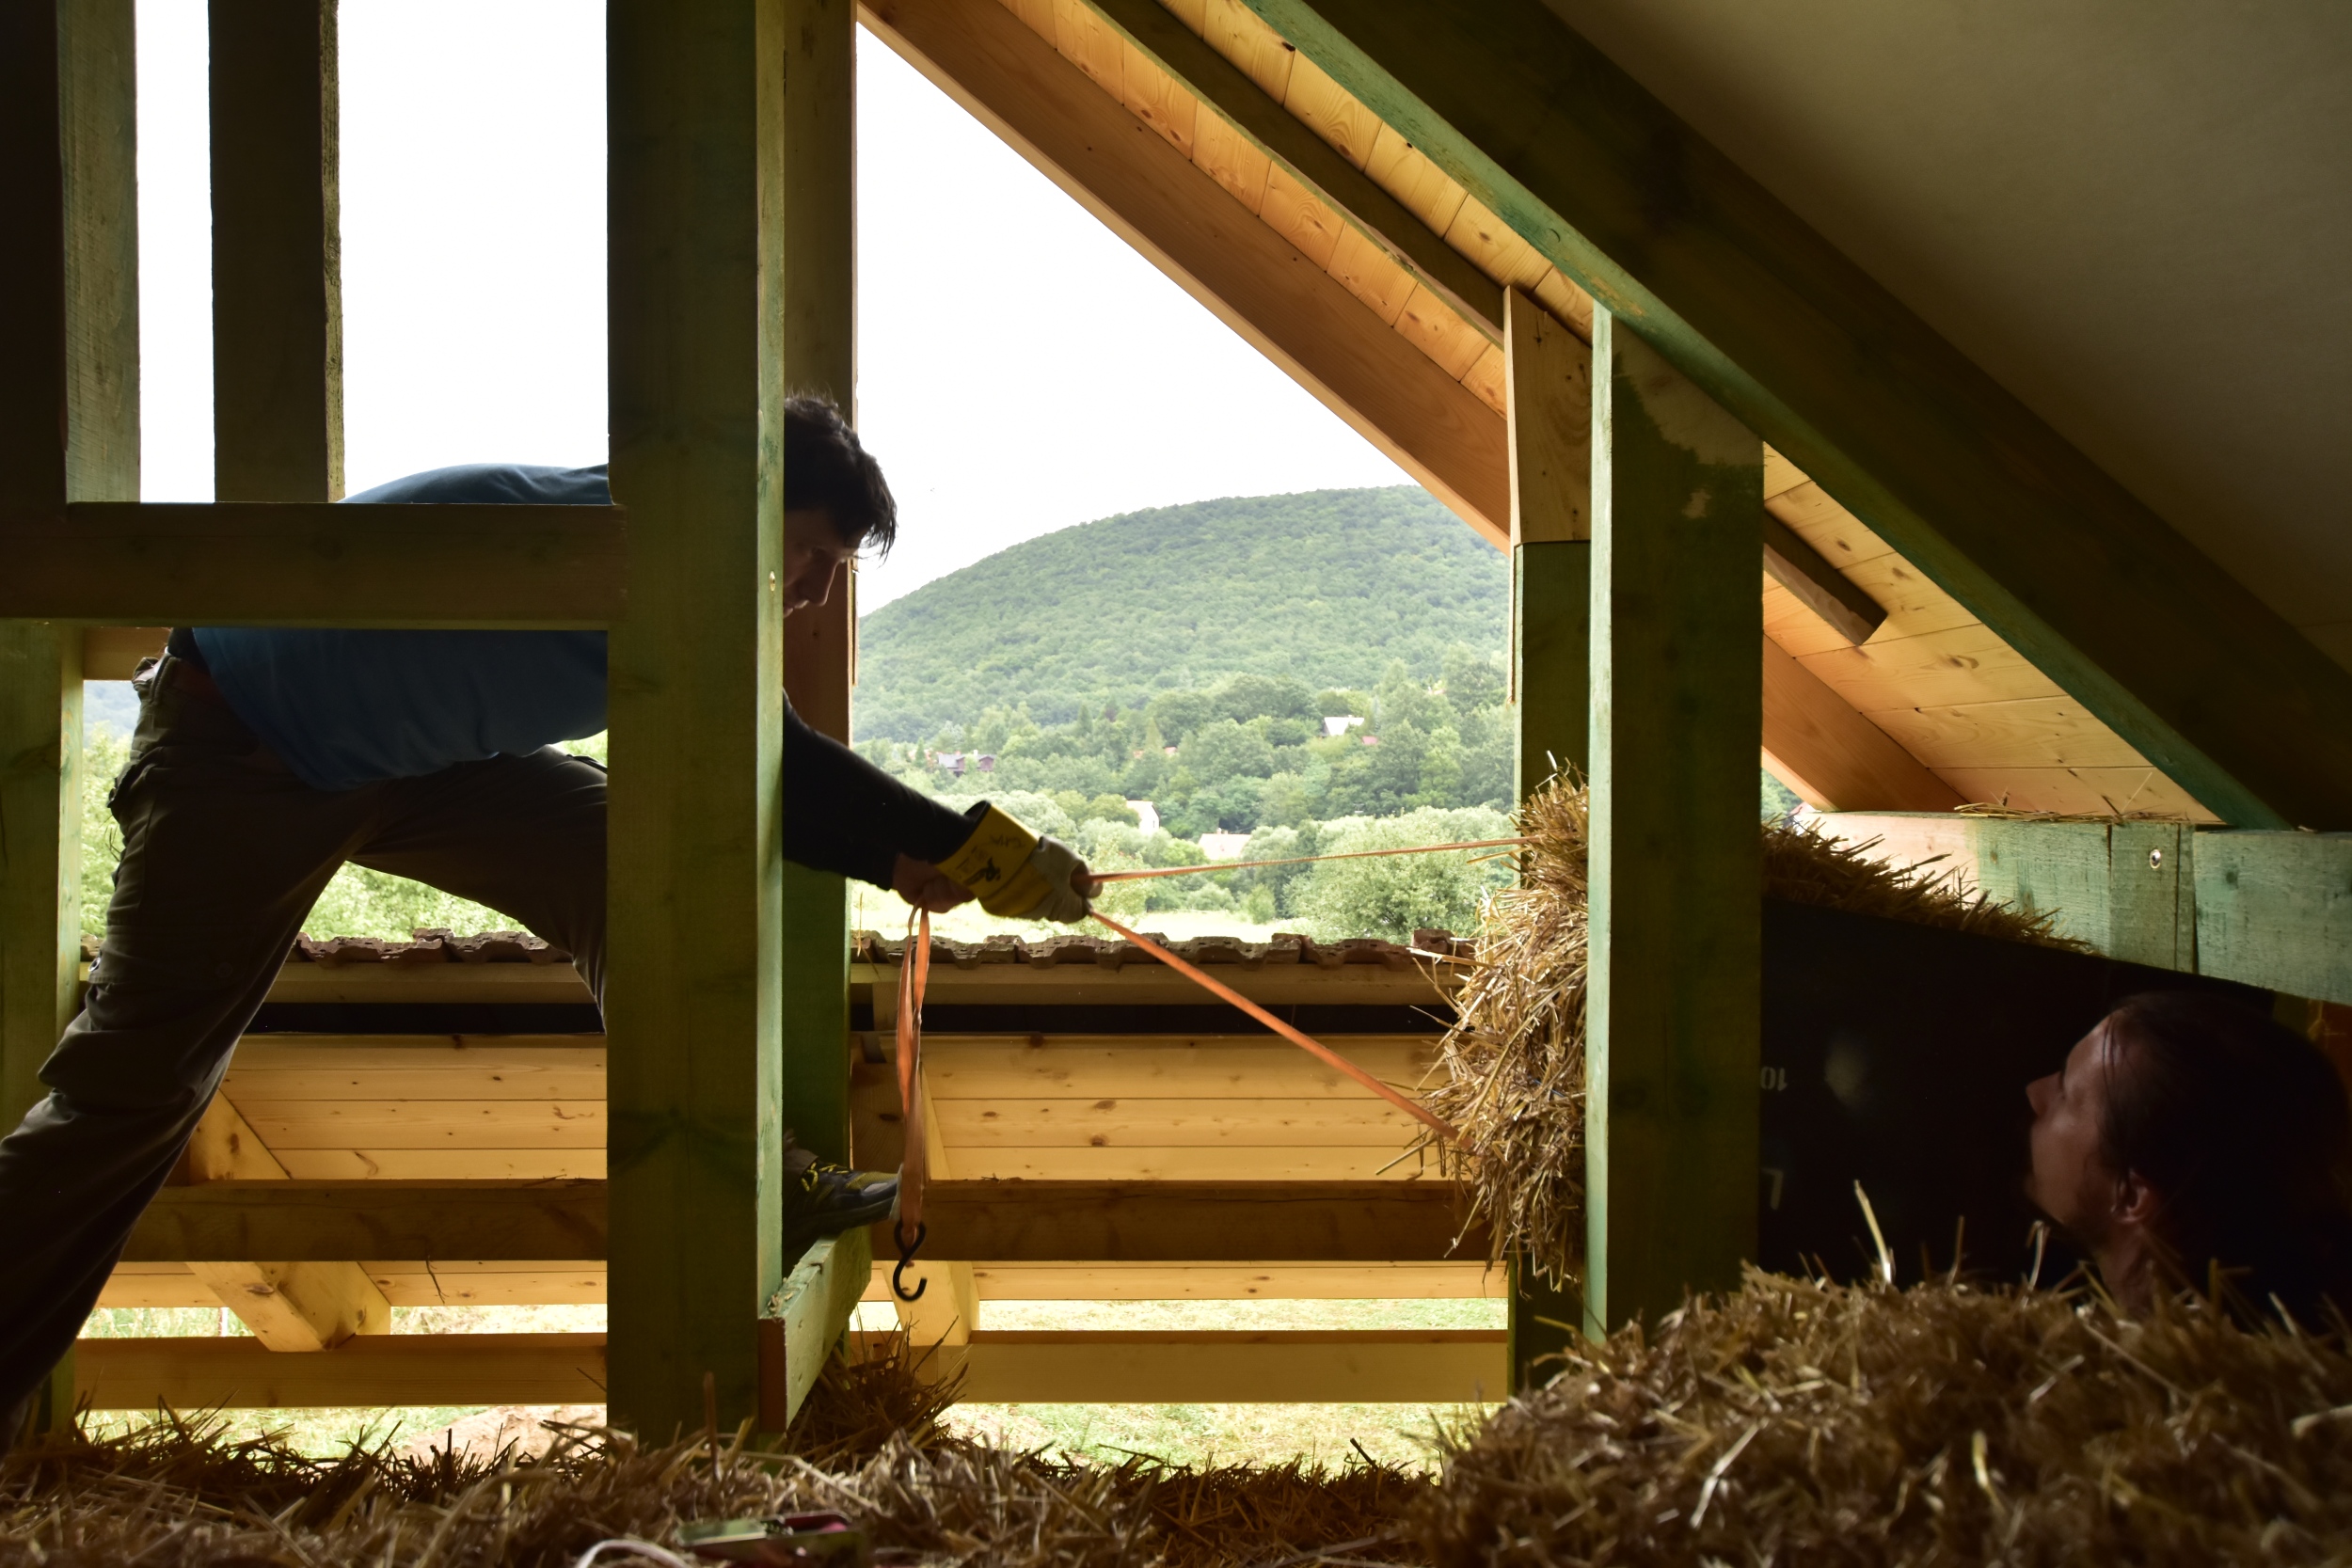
(812, 585)
(2038, 1093)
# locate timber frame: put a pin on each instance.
(1471, 236)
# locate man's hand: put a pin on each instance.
(925, 886)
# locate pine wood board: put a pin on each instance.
(2027, 732)
(450, 1283)
(1191, 1163)
(999, 1126)
(1832, 757)
(1158, 99)
(426, 1124)
(1433, 326)
(1825, 525)
(1914, 606)
(1235, 32)
(1163, 1066)
(2090, 791)
(1230, 1282)
(1194, 1221)
(1969, 664)
(1371, 274)
(1330, 111)
(331, 1221)
(1300, 216)
(375, 1164)
(1400, 168)
(371, 1369)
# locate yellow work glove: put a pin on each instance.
(1016, 874)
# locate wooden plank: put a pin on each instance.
(1806, 348)
(139, 1285)
(68, 430)
(298, 1307)
(448, 1282)
(418, 1066)
(1217, 1123)
(695, 1005)
(113, 652)
(225, 1148)
(1315, 137)
(1364, 1366)
(1142, 983)
(1233, 1281)
(504, 1124)
(1185, 1221)
(2025, 732)
(294, 565)
(1549, 374)
(1180, 217)
(41, 852)
(2276, 909)
(435, 983)
(995, 1068)
(1672, 1008)
(946, 1304)
(1969, 664)
(278, 351)
(1192, 1162)
(1834, 599)
(819, 348)
(805, 1320)
(1914, 606)
(1835, 758)
(446, 1165)
(372, 1369)
(333, 1221)
(2076, 791)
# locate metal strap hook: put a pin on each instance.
(906, 1259)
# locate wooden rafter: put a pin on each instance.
(1283, 304)
(2060, 559)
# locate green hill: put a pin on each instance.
(1327, 586)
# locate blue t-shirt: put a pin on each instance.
(345, 709)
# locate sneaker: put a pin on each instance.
(822, 1200)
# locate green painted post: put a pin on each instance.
(1548, 370)
(1671, 1012)
(69, 432)
(820, 355)
(694, 991)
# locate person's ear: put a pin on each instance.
(2135, 1201)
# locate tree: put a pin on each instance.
(1393, 897)
(1472, 680)
(1222, 749)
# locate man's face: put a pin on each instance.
(2071, 1180)
(814, 555)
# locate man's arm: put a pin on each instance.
(843, 814)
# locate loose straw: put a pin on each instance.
(1299, 860)
(1305, 1042)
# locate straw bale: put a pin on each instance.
(1510, 1073)
(1804, 1423)
(868, 1446)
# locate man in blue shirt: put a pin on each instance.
(266, 758)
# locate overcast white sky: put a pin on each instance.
(1021, 369)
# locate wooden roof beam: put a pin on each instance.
(1774, 322)
(315, 563)
(1228, 92)
(1152, 195)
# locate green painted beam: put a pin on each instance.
(1672, 1029)
(1811, 352)
(1228, 91)
(68, 431)
(1551, 660)
(807, 1319)
(694, 998)
(2276, 909)
(121, 564)
(278, 296)
(820, 355)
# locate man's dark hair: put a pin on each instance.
(825, 467)
(2240, 1126)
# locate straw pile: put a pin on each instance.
(1826, 1425)
(868, 1446)
(1510, 1073)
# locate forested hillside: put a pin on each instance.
(1328, 587)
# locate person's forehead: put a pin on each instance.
(2095, 1055)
